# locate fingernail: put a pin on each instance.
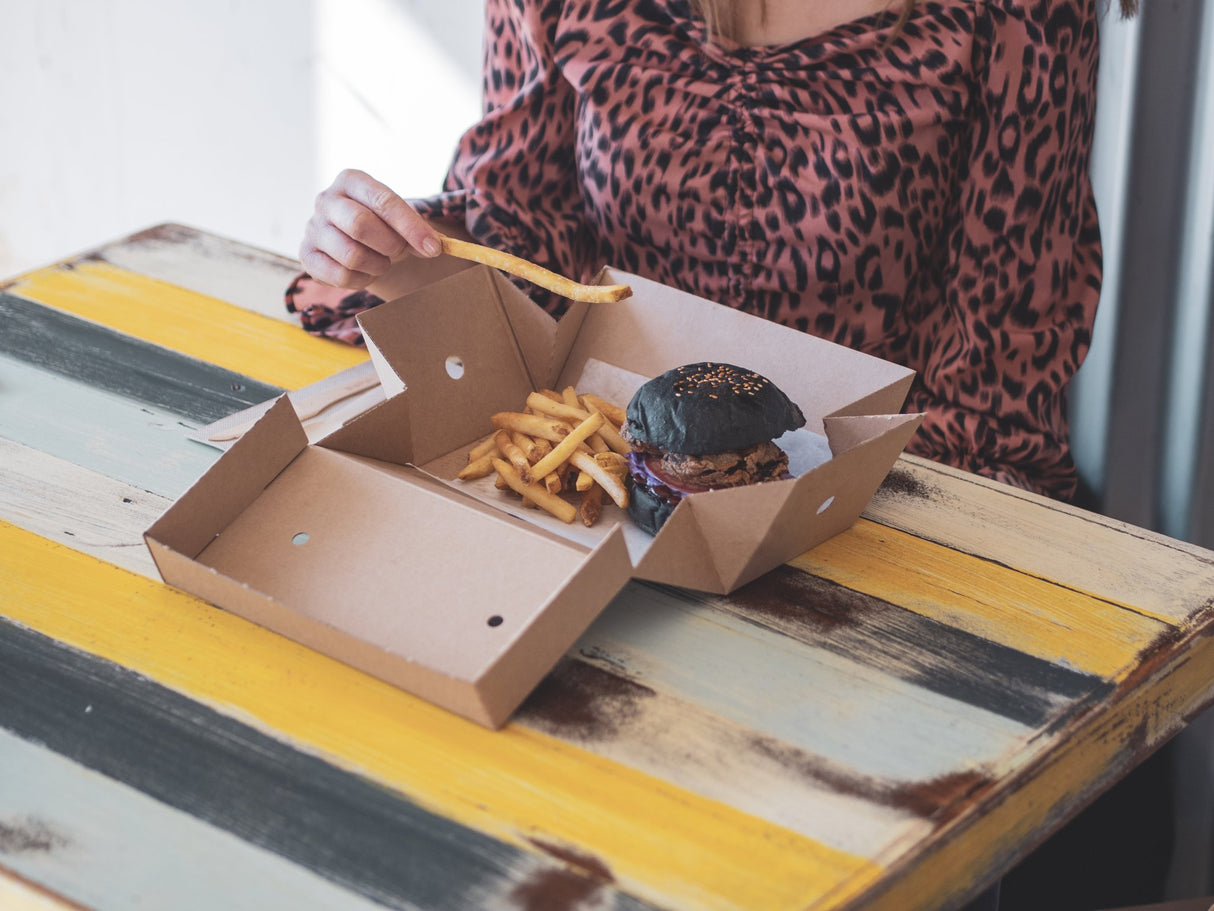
(431, 246)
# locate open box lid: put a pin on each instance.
(383, 568)
(504, 347)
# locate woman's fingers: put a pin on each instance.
(397, 214)
(359, 226)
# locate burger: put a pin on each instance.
(699, 427)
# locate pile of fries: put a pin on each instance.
(562, 443)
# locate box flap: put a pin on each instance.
(222, 492)
(659, 327)
(453, 349)
(443, 588)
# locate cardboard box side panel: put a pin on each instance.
(886, 400)
(828, 503)
(848, 431)
(237, 598)
(556, 628)
(679, 555)
(382, 432)
(456, 352)
(236, 478)
(732, 522)
(831, 499)
(659, 328)
(413, 273)
(391, 383)
(543, 341)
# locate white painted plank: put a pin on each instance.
(100, 431)
(90, 839)
(211, 265)
(82, 509)
(1158, 575)
(850, 713)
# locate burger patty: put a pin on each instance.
(685, 473)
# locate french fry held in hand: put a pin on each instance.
(561, 443)
(545, 278)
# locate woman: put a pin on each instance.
(910, 181)
(906, 179)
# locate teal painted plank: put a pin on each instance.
(107, 433)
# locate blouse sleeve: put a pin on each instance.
(1024, 259)
(513, 179)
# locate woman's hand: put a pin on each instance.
(358, 228)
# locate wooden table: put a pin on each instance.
(889, 721)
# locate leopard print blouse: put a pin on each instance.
(921, 196)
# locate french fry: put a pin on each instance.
(534, 425)
(485, 447)
(611, 436)
(611, 412)
(478, 468)
(506, 447)
(541, 404)
(591, 505)
(612, 483)
(552, 503)
(613, 462)
(530, 446)
(545, 278)
(562, 451)
(561, 443)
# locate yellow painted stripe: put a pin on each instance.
(18, 895)
(1028, 614)
(194, 324)
(661, 843)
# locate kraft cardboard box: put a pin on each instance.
(365, 546)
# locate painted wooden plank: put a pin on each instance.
(1153, 574)
(104, 359)
(850, 714)
(915, 648)
(105, 845)
(143, 771)
(660, 842)
(18, 894)
(192, 324)
(589, 701)
(1021, 611)
(1098, 749)
(219, 267)
(76, 507)
(125, 440)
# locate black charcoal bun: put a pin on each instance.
(710, 407)
(647, 509)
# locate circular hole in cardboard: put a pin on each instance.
(455, 367)
(825, 505)
(495, 620)
(299, 538)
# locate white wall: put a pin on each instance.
(228, 116)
